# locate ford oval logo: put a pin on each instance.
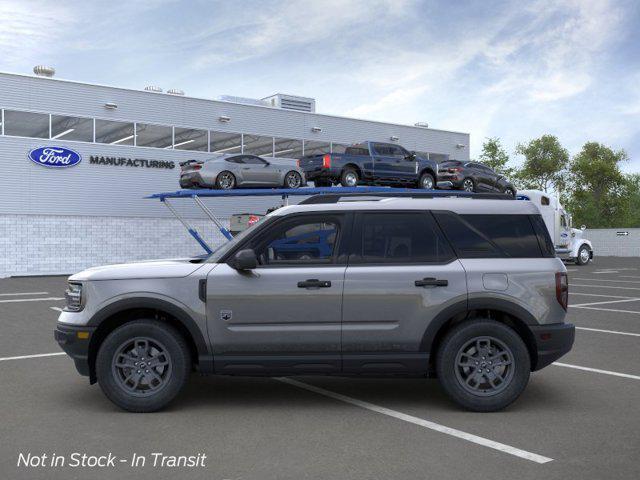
(56, 157)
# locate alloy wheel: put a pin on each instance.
(484, 366)
(467, 185)
(141, 366)
(584, 255)
(351, 179)
(293, 180)
(226, 181)
(427, 182)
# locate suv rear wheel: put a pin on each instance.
(483, 365)
(142, 365)
(468, 185)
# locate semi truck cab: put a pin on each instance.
(568, 241)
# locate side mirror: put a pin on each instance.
(411, 157)
(244, 260)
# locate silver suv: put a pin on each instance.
(464, 289)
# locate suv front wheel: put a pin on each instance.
(142, 365)
(483, 365)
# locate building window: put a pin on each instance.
(223, 142)
(157, 136)
(26, 124)
(190, 139)
(338, 147)
(316, 148)
(287, 148)
(258, 145)
(114, 133)
(71, 128)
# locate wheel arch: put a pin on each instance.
(502, 311)
(123, 311)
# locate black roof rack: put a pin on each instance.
(336, 197)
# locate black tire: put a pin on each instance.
(584, 255)
(427, 182)
(294, 182)
(346, 178)
(468, 185)
(509, 191)
(452, 375)
(322, 183)
(110, 376)
(225, 180)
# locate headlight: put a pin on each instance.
(73, 296)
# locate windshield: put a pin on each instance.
(223, 249)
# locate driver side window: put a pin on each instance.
(304, 241)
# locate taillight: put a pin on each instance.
(298, 162)
(562, 289)
(326, 161)
(455, 170)
(253, 219)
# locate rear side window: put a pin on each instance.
(399, 237)
(544, 239)
(357, 151)
(513, 234)
(468, 241)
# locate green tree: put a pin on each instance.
(545, 164)
(600, 194)
(495, 156)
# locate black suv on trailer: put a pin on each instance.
(474, 177)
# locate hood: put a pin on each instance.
(169, 268)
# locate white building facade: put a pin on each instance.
(129, 144)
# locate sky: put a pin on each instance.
(513, 70)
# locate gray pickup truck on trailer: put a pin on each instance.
(465, 289)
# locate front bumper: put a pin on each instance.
(552, 342)
(74, 340)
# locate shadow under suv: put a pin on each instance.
(466, 290)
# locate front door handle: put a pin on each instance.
(314, 283)
(431, 282)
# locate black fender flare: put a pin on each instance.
(202, 346)
(465, 306)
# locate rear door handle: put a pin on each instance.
(314, 283)
(431, 282)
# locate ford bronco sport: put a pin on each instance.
(467, 290)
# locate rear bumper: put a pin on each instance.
(449, 181)
(74, 346)
(314, 173)
(192, 180)
(552, 342)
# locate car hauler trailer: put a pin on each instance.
(568, 241)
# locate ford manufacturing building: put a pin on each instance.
(129, 145)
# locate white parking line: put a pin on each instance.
(604, 286)
(23, 293)
(15, 300)
(629, 276)
(485, 442)
(596, 295)
(606, 301)
(607, 280)
(608, 331)
(607, 309)
(22, 357)
(57, 309)
(597, 370)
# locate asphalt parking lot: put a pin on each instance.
(577, 419)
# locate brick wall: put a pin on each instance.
(47, 244)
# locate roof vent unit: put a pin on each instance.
(44, 71)
(175, 91)
(291, 102)
(422, 124)
(243, 100)
(153, 88)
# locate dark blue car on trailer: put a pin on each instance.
(371, 163)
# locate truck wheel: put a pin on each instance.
(225, 180)
(584, 255)
(468, 185)
(509, 191)
(426, 181)
(349, 178)
(483, 365)
(142, 365)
